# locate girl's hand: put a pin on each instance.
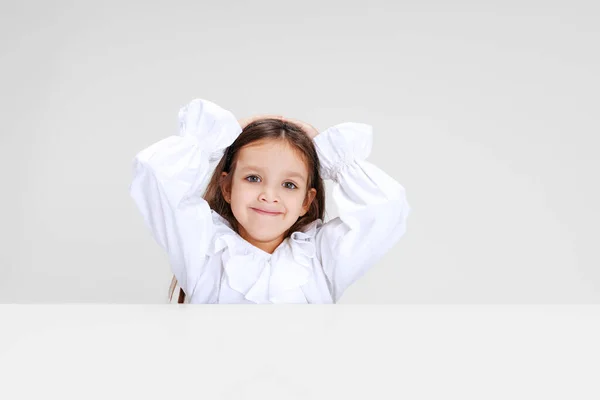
(247, 121)
(310, 130)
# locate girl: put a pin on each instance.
(257, 234)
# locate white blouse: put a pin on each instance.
(213, 264)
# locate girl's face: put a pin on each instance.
(269, 192)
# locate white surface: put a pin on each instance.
(299, 352)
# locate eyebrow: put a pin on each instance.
(286, 173)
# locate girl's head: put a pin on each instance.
(267, 185)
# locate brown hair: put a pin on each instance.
(264, 129)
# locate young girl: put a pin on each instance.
(257, 234)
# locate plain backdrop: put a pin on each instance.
(487, 113)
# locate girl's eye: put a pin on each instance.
(253, 178)
(290, 185)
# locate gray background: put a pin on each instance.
(487, 114)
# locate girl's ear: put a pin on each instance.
(225, 188)
(310, 196)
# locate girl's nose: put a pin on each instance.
(269, 195)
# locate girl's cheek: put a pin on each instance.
(295, 196)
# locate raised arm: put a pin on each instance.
(372, 206)
(167, 181)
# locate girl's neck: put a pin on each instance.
(267, 247)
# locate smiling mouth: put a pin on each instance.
(264, 212)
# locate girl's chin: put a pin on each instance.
(265, 235)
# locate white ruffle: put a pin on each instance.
(214, 127)
(251, 272)
(341, 145)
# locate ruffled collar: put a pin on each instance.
(262, 277)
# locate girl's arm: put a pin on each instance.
(167, 181)
(372, 205)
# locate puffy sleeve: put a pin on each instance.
(372, 206)
(167, 180)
